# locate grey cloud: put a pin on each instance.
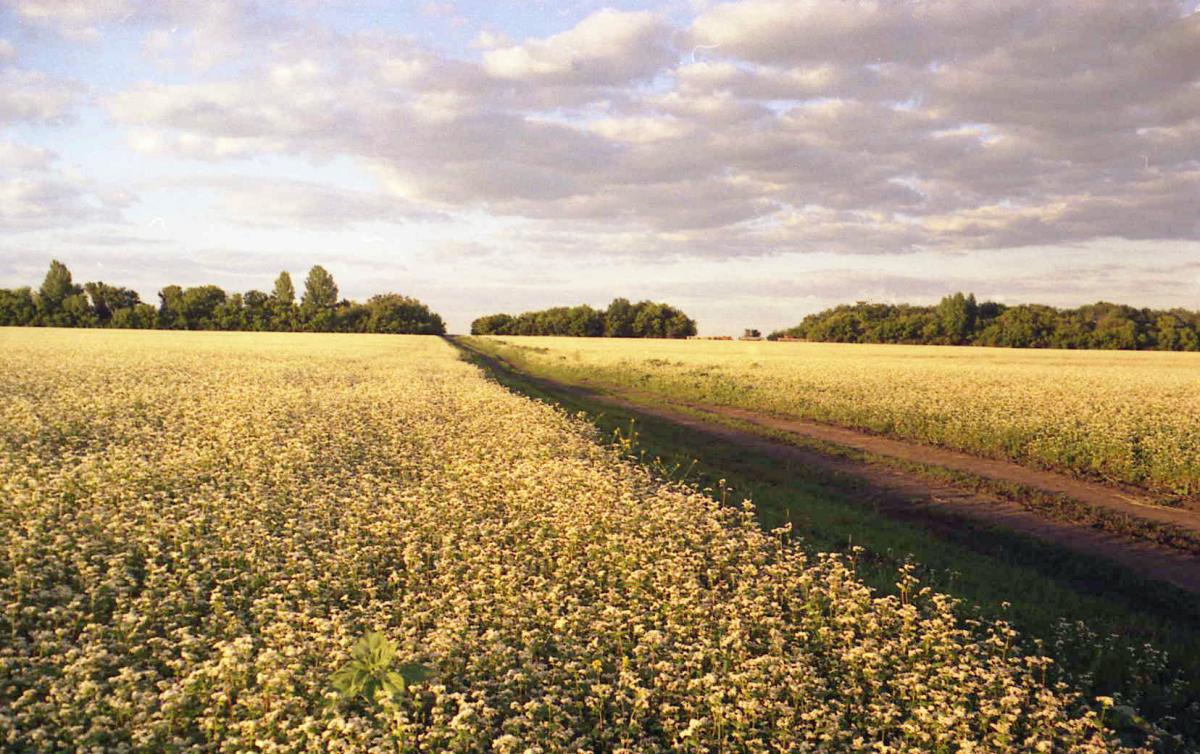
(31, 202)
(850, 127)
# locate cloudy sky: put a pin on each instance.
(749, 161)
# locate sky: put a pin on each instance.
(749, 162)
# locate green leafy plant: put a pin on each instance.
(370, 670)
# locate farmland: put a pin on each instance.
(201, 526)
(1119, 417)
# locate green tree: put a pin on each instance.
(107, 299)
(75, 311)
(285, 316)
(320, 291)
(56, 288)
(493, 324)
(284, 292)
(393, 313)
(200, 306)
(618, 319)
(17, 307)
(956, 315)
(230, 314)
(648, 322)
(320, 298)
(171, 309)
(258, 312)
(139, 317)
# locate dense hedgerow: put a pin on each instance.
(199, 526)
(621, 319)
(960, 320)
(1122, 417)
(60, 302)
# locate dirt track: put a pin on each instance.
(907, 495)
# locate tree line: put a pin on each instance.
(960, 320)
(60, 302)
(622, 319)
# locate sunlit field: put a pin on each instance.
(199, 526)
(1128, 417)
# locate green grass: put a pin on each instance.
(1108, 630)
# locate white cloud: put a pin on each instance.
(285, 203)
(77, 19)
(33, 96)
(24, 157)
(608, 47)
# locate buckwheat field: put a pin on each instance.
(199, 527)
(1130, 417)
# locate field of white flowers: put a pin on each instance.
(198, 526)
(1121, 416)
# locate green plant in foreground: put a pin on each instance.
(369, 671)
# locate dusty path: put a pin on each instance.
(1130, 502)
(910, 496)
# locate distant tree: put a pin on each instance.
(493, 324)
(583, 322)
(1028, 326)
(348, 316)
(1169, 332)
(393, 313)
(171, 308)
(320, 298)
(618, 319)
(1116, 327)
(621, 319)
(76, 311)
(258, 314)
(200, 305)
(60, 302)
(956, 316)
(230, 314)
(649, 320)
(56, 287)
(107, 299)
(17, 307)
(192, 308)
(677, 324)
(138, 317)
(320, 291)
(284, 292)
(284, 314)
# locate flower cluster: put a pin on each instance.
(199, 526)
(1120, 416)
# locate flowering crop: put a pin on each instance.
(200, 526)
(1127, 417)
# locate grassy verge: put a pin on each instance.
(1110, 632)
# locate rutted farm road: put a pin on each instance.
(907, 494)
